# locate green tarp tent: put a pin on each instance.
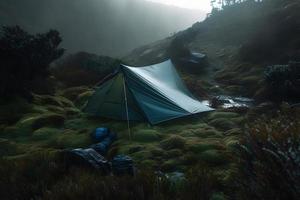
(152, 93)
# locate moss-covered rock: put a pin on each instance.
(147, 135)
(72, 92)
(231, 141)
(82, 98)
(157, 152)
(45, 133)
(213, 157)
(170, 165)
(141, 155)
(32, 122)
(135, 148)
(192, 130)
(208, 133)
(72, 111)
(239, 120)
(201, 147)
(234, 131)
(49, 120)
(52, 100)
(222, 123)
(80, 123)
(70, 139)
(55, 109)
(126, 147)
(173, 142)
(173, 153)
(189, 132)
(36, 157)
(39, 109)
(148, 164)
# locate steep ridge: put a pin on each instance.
(239, 44)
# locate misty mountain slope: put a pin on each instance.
(104, 27)
(240, 42)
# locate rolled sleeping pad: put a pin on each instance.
(103, 146)
(88, 157)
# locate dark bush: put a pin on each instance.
(269, 160)
(45, 176)
(29, 176)
(25, 59)
(201, 183)
(12, 111)
(84, 69)
(284, 80)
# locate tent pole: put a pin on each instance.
(126, 105)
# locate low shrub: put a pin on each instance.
(269, 159)
(284, 80)
(29, 176)
(202, 183)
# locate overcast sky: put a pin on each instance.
(203, 5)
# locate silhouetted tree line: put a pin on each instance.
(218, 4)
(25, 60)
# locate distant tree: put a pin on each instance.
(283, 81)
(25, 58)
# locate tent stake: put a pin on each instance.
(126, 105)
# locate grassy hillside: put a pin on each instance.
(240, 41)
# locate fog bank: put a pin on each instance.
(107, 27)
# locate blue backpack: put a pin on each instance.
(100, 133)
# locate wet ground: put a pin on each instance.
(224, 101)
